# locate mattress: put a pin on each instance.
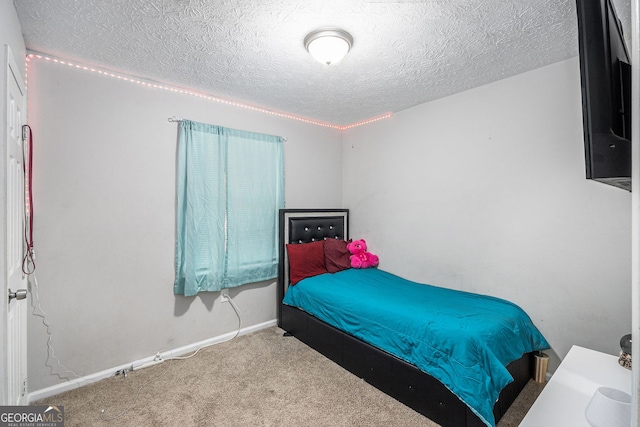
(464, 340)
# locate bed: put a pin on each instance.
(349, 339)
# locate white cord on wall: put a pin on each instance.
(51, 354)
(238, 313)
(166, 371)
(39, 312)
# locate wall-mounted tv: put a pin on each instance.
(606, 93)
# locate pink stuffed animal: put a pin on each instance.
(360, 258)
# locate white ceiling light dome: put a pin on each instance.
(328, 46)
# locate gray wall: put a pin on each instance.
(485, 191)
(104, 188)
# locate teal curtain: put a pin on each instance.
(230, 185)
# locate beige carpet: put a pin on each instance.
(261, 379)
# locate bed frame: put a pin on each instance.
(393, 376)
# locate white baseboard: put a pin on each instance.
(142, 363)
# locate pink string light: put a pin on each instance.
(32, 56)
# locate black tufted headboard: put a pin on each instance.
(304, 226)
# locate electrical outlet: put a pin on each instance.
(123, 372)
(224, 295)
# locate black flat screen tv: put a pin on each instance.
(605, 75)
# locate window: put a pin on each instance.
(230, 185)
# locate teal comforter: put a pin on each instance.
(464, 340)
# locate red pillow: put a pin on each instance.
(305, 260)
(336, 255)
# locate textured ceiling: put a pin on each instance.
(405, 52)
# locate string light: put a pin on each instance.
(365, 122)
(32, 56)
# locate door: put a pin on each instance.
(14, 367)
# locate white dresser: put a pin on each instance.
(564, 399)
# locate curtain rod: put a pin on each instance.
(174, 119)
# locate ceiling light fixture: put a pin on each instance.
(328, 46)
